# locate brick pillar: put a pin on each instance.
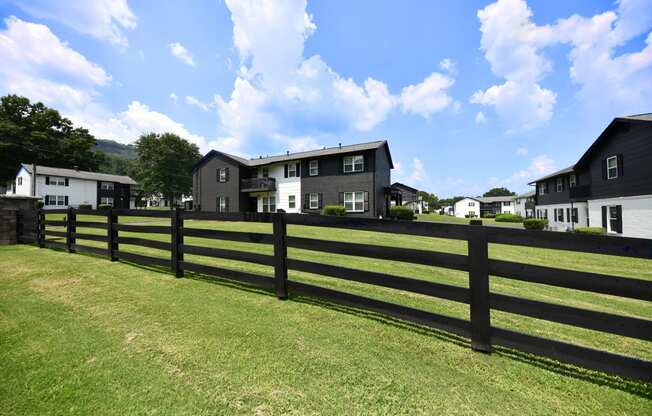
(8, 224)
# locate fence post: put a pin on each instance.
(479, 287)
(40, 232)
(111, 234)
(177, 242)
(71, 229)
(280, 255)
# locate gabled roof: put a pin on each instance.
(79, 174)
(528, 194)
(490, 199)
(564, 171)
(262, 161)
(400, 185)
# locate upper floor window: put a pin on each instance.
(471, 204)
(572, 181)
(560, 184)
(612, 167)
(55, 180)
(353, 164)
(106, 186)
(222, 175)
(507, 203)
(314, 168)
(19, 181)
(542, 188)
(292, 170)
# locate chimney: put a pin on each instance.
(260, 156)
(287, 152)
(340, 145)
(33, 190)
(76, 168)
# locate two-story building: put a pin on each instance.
(61, 188)
(610, 186)
(355, 176)
(524, 205)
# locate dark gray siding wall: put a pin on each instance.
(554, 197)
(332, 180)
(634, 142)
(383, 180)
(206, 188)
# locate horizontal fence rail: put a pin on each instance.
(111, 232)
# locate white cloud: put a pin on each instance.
(480, 118)
(418, 171)
(174, 97)
(101, 19)
(448, 65)
(522, 151)
(609, 83)
(427, 97)
(181, 53)
(539, 166)
(280, 92)
(197, 103)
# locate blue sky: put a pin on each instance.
(470, 94)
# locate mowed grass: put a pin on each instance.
(450, 219)
(80, 335)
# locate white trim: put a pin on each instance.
(615, 158)
(352, 161)
(315, 167)
(292, 170)
(353, 200)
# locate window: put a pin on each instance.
(353, 164)
(518, 202)
(221, 175)
(354, 201)
(265, 172)
(222, 204)
(292, 170)
(269, 204)
(471, 213)
(545, 214)
(572, 181)
(559, 214)
(314, 201)
(106, 186)
(106, 200)
(575, 216)
(612, 167)
(55, 181)
(471, 204)
(560, 184)
(292, 201)
(314, 168)
(19, 181)
(542, 188)
(50, 200)
(507, 203)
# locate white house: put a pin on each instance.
(61, 188)
(288, 188)
(524, 204)
(467, 207)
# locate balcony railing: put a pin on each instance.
(579, 192)
(258, 185)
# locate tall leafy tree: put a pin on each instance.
(431, 199)
(34, 133)
(165, 164)
(499, 192)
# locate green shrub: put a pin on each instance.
(489, 215)
(590, 230)
(40, 204)
(336, 210)
(535, 223)
(508, 218)
(85, 206)
(401, 213)
(104, 207)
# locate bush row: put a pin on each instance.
(508, 218)
(535, 223)
(590, 230)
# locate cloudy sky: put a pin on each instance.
(470, 94)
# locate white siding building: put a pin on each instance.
(635, 214)
(467, 207)
(288, 188)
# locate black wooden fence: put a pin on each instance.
(477, 263)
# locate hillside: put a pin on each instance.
(113, 148)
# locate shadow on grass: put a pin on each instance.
(637, 388)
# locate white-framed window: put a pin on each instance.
(269, 204)
(471, 204)
(575, 215)
(542, 188)
(353, 164)
(471, 213)
(612, 167)
(560, 184)
(292, 170)
(507, 203)
(354, 201)
(313, 168)
(55, 181)
(54, 200)
(545, 214)
(19, 181)
(106, 200)
(221, 174)
(106, 186)
(221, 204)
(314, 201)
(572, 181)
(292, 201)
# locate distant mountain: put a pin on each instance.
(113, 148)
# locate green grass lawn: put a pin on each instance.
(80, 335)
(450, 219)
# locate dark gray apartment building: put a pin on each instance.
(355, 176)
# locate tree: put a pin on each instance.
(431, 199)
(450, 201)
(34, 133)
(499, 192)
(165, 164)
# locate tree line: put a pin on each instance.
(35, 134)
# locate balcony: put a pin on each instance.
(580, 192)
(258, 185)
